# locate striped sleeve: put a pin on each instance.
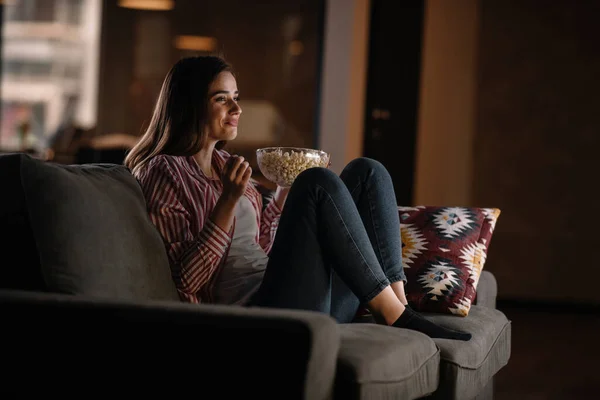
(194, 256)
(268, 225)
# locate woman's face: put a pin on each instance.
(223, 109)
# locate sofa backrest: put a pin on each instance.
(19, 259)
(88, 228)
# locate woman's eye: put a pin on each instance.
(236, 98)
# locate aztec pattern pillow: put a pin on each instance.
(444, 250)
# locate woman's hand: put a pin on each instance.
(235, 177)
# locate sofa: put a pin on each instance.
(88, 306)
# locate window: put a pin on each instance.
(49, 69)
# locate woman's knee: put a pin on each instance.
(364, 165)
(316, 175)
(319, 178)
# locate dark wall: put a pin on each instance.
(536, 147)
(393, 81)
(138, 50)
(115, 111)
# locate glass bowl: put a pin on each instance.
(281, 165)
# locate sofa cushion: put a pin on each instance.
(444, 250)
(466, 367)
(378, 362)
(93, 233)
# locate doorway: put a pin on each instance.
(392, 97)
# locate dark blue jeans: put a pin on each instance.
(338, 242)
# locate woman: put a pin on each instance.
(338, 238)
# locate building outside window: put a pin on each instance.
(50, 53)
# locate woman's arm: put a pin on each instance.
(280, 196)
(270, 218)
(194, 256)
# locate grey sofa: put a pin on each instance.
(88, 306)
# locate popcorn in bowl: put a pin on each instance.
(282, 165)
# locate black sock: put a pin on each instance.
(411, 320)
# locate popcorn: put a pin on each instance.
(282, 166)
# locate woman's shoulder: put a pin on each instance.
(166, 162)
(162, 160)
(159, 165)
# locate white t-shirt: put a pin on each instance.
(243, 270)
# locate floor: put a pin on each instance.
(555, 355)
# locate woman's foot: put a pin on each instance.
(411, 320)
(387, 309)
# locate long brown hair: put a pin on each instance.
(176, 127)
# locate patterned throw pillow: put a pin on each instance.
(444, 250)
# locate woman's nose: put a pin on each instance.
(236, 109)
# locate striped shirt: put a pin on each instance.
(180, 199)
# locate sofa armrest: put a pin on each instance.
(487, 290)
(165, 347)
